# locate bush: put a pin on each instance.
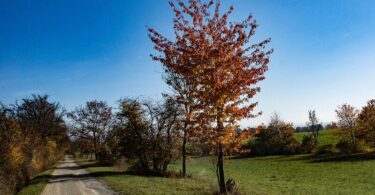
(232, 188)
(273, 140)
(147, 135)
(105, 156)
(13, 156)
(344, 147)
(347, 147)
(324, 149)
(308, 144)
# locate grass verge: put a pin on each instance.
(126, 183)
(38, 183)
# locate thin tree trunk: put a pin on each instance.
(184, 141)
(220, 164)
(220, 157)
(95, 146)
(184, 153)
(352, 129)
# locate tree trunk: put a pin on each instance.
(352, 130)
(220, 156)
(220, 164)
(184, 153)
(95, 152)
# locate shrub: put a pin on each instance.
(308, 144)
(32, 137)
(13, 156)
(105, 156)
(324, 149)
(147, 134)
(232, 188)
(274, 139)
(347, 147)
(344, 147)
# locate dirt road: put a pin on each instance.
(70, 179)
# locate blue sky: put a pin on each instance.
(82, 50)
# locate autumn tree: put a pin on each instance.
(33, 136)
(13, 156)
(42, 122)
(366, 122)
(216, 56)
(347, 120)
(92, 122)
(313, 125)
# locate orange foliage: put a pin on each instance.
(215, 56)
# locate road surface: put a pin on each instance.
(69, 179)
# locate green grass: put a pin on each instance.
(126, 183)
(325, 137)
(296, 174)
(37, 184)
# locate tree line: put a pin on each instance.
(33, 136)
(354, 129)
(147, 136)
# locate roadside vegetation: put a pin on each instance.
(37, 184)
(33, 136)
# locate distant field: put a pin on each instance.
(325, 137)
(297, 174)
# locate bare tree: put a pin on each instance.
(163, 126)
(184, 96)
(148, 133)
(313, 124)
(40, 117)
(92, 122)
(276, 121)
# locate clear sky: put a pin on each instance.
(76, 51)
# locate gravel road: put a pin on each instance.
(69, 179)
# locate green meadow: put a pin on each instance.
(325, 137)
(294, 174)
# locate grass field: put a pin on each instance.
(125, 183)
(297, 174)
(325, 137)
(37, 184)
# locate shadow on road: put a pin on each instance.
(81, 177)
